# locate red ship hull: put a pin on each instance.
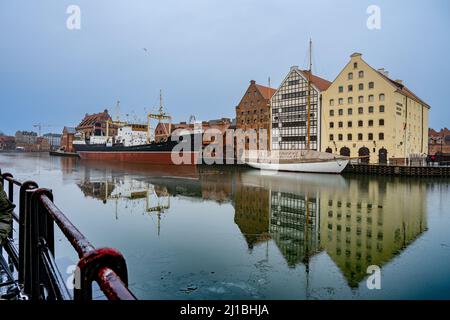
(152, 157)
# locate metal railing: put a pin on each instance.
(34, 259)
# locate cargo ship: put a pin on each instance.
(133, 143)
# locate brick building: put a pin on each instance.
(438, 141)
(7, 143)
(95, 125)
(42, 145)
(67, 139)
(253, 112)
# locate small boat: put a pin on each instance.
(301, 161)
(62, 153)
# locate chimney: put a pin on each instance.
(383, 72)
(294, 68)
(252, 82)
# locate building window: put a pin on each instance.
(331, 113)
(355, 65)
(382, 97)
(370, 123)
(349, 124)
(349, 137)
(371, 98)
(361, 74)
(331, 102)
(340, 137)
(340, 124)
(370, 109)
(350, 100)
(331, 124)
(341, 112)
(341, 89)
(350, 88)
(370, 136)
(341, 101)
(371, 85)
(360, 110)
(360, 123)
(381, 122)
(350, 76)
(350, 111)
(381, 136)
(360, 86)
(360, 99)
(331, 137)
(360, 136)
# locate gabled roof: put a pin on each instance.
(404, 90)
(319, 82)
(266, 92)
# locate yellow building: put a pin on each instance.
(365, 113)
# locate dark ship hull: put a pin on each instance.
(154, 153)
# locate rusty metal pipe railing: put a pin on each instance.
(36, 265)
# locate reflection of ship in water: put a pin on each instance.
(357, 221)
(133, 193)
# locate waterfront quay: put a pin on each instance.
(231, 232)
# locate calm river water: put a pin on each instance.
(236, 233)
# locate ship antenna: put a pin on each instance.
(160, 103)
(118, 110)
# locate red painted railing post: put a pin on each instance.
(91, 264)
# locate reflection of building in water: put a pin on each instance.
(371, 222)
(294, 226)
(252, 213)
(262, 213)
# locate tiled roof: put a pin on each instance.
(319, 82)
(404, 90)
(266, 92)
(91, 119)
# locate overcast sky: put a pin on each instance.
(202, 54)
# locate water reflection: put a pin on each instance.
(357, 221)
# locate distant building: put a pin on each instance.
(42, 145)
(95, 125)
(439, 142)
(54, 139)
(67, 139)
(289, 111)
(162, 131)
(26, 137)
(26, 140)
(253, 113)
(7, 143)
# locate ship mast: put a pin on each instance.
(160, 116)
(308, 123)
